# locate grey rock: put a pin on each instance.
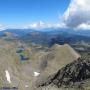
(70, 75)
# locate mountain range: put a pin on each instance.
(44, 59)
(49, 37)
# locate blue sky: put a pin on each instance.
(16, 12)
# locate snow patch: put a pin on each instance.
(8, 76)
(26, 86)
(36, 74)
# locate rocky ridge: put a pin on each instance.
(70, 75)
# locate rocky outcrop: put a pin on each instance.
(77, 71)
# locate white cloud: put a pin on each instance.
(2, 27)
(42, 25)
(78, 14)
(36, 25)
(84, 27)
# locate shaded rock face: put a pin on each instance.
(76, 71)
